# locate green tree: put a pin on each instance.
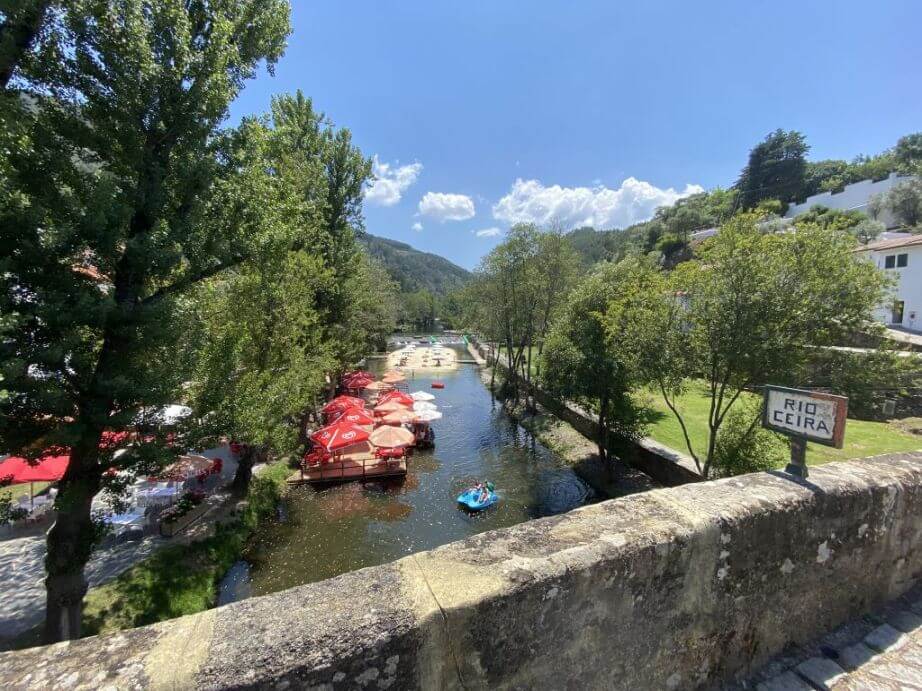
(22, 22)
(263, 355)
(518, 287)
(776, 169)
(908, 152)
(856, 223)
(105, 224)
(904, 201)
(594, 349)
(748, 309)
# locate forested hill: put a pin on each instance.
(415, 270)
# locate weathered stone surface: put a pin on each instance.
(821, 672)
(788, 681)
(885, 638)
(672, 589)
(854, 656)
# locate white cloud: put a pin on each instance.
(417, 226)
(391, 181)
(599, 206)
(447, 207)
(488, 232)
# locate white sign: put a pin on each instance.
(814, 416)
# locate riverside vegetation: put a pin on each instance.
(145, 244)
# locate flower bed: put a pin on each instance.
(180, 515)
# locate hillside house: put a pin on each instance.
(900, 258)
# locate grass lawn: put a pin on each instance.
(534, 357)
(14, 491)
(862, 438)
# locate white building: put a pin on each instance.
(854, 197)
(900, 258)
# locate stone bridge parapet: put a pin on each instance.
(677, 588)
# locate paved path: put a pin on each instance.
(22, 568)
(878, 652)
(22, 574)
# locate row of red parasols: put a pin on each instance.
(349, 422)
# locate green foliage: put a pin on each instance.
(516, 292)
(420, 310)
(776, 169)
(744, 311)
(855, 223)
(904, 201)
(868, 379)
(414, 270)
(593, 351)
(833, 175)
(743, 445)
(908, 152)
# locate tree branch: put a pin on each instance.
(675, 412)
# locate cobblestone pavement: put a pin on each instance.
(22, 574)
(878, 652)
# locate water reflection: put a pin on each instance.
(351, 526)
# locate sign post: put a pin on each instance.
(804, 416)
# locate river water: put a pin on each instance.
(324, 533)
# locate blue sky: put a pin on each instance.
(482, 113)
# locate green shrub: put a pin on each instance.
(746, 447)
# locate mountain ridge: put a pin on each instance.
(414, 269)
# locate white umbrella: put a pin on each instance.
(422, 396)
(424, 405)
(428, 415)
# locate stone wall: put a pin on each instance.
(664, 465)
(676, 588)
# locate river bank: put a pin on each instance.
(184, 579)
(610, 480)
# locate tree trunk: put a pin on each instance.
(603, 429)
(17, 35)
(70, 544)
(244, 473)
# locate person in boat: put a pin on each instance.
(484, 491)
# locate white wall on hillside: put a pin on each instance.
(854, 197)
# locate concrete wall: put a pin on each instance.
(672, 589)
(852, 197)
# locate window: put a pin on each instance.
(890, 261)
(901, 260)
(896, 315)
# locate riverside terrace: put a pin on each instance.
(680, 588)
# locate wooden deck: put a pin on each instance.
(358, 464)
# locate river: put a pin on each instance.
(324, 533)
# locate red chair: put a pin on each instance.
(316, 456)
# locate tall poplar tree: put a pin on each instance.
(108, 160)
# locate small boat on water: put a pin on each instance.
(438, 385)
(471, 499)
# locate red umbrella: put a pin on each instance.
(390, 407)
(358, 373)
(341, 403)
(399, 417)
(50, 468)
(355, 416)
(397, 396)
(339, 436)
